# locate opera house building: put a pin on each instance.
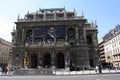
(54, 38)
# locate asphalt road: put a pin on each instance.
(73, 77)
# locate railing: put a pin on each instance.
(30, 44)
(78, 72)
(48, 71)
(39, 19)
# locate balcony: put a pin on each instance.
(49, 19)
(117, 60)
(43, 44)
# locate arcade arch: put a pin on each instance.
(46, 60)
(60, 60)
(33, 60)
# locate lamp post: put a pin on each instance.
(99, 66)
(108, 60)
(99, 62)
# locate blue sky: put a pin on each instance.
(106, 12)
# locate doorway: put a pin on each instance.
(60, 60)
(47, 60)
(33, 60)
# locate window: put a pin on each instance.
(17, 55)
(89, 39)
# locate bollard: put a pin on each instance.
(116, 70)
(76, 70)
(62, 71)
(83, 70)
(89, 72)
(69, 72)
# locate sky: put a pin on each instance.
(105, 12)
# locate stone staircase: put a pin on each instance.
(33, 72)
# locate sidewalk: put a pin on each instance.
(63, 72)
(84, 72)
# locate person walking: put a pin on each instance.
(5, 70)
(0, 70)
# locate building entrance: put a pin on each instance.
(47, 60)
(33, 60)
(60, 60)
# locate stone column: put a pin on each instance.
(39, 58)
(44, 16)
(26, 59)
(18, 35)
(54, 41)
(53, 60)
(65, 14)
(55, 15)
(87, 63)
(67, 61)
(77, 32)
(95, 41)
(23, 34)
(77, 35)
(34, 17)
(84, 35)
(32, 35)
(67, 64)
(80, 35)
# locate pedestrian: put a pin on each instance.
(5, 70)
(0, 71)
(96, 69)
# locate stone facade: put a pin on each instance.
(5, 49)
(77, 46)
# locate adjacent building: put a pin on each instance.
(112, 46)
(54, 38)
(101, 52)
(5, 49)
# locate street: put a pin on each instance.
(73, 77)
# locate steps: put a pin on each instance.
(33, 72)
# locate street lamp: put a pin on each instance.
(99, 66)
(98, 61)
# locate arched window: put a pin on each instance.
(73, 60)
(89, 39)
(60, 60)
(29, 34)
(33, 60)
(71, 34)
(46, 60)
